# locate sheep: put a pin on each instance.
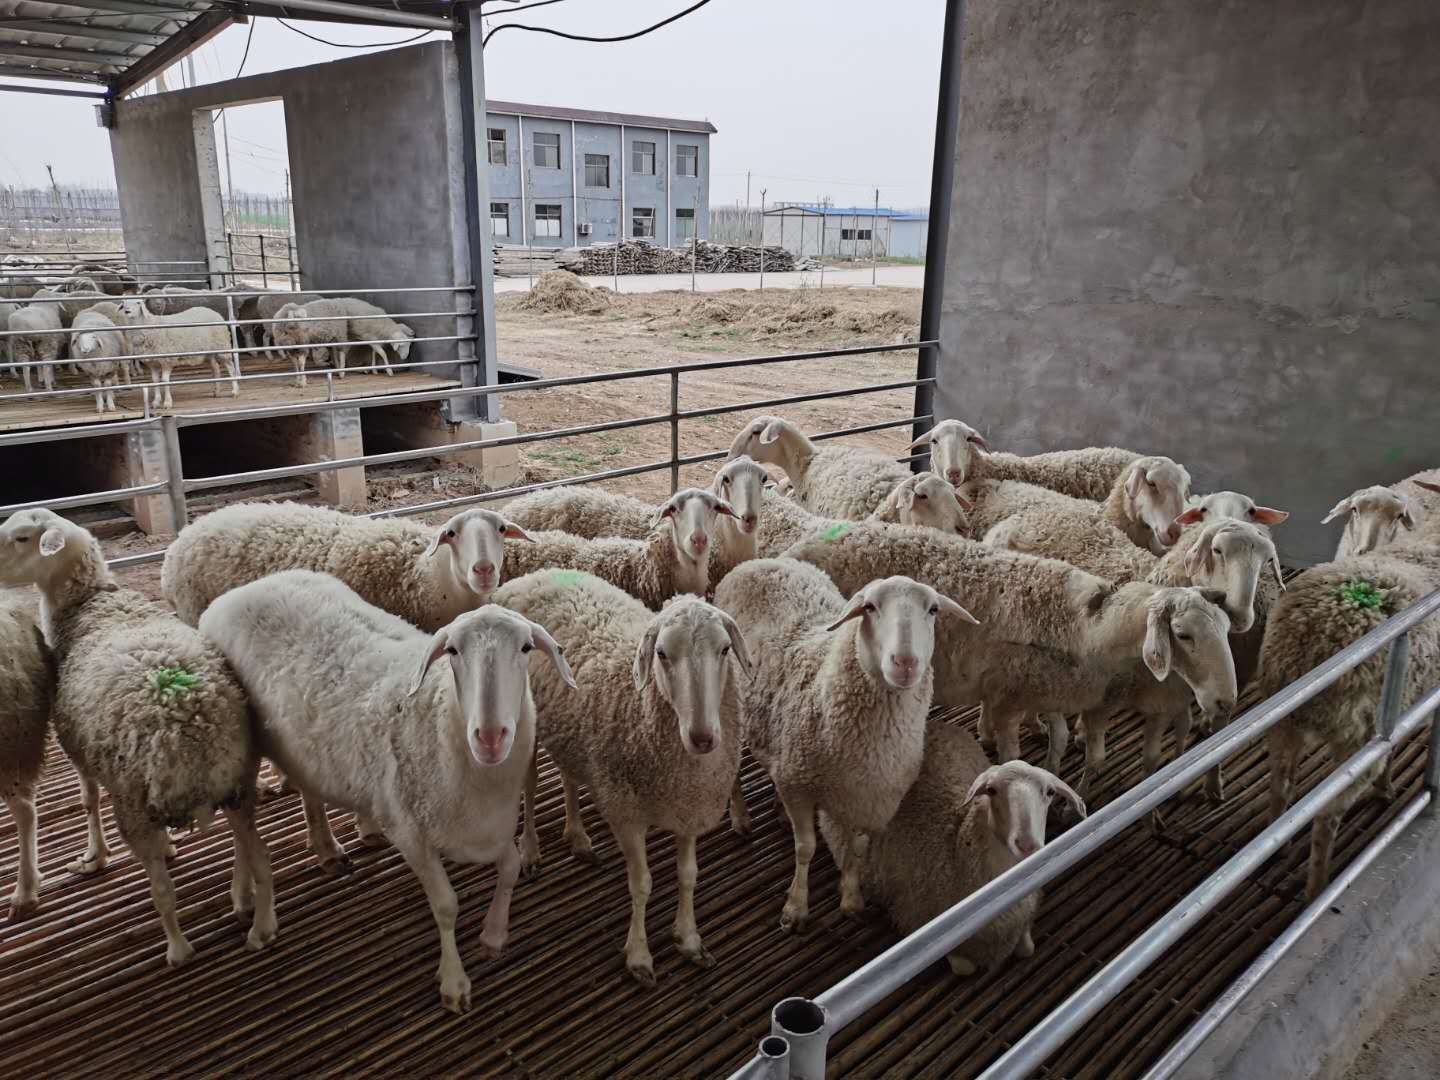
(313, 341)
(836, 718)
(962, 824)
(425, 575)
(438, 758)
(1054, 635)
(960, 454)
(921, 500)
(1375, 515)
(186, 337)
(173, 299)
(94, 333)
(36, 343)
(1323, 610)
(27, 688)
(67, 303)
(665, 761)
(368, 327)
(1143, 503)
(147, 708)
(837, 481)
(674, 557)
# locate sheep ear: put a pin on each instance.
(1344, 506)
(1199, 557)
(1408, 517)
(511, 531)
(1133, 481)
(723, 507)
(1267, 516)
(541, 639)
(857, 607)
(645, 657)
(436, 649)
(409, 333)
(979, 440)
(978, 787)
(1064, 789)
(923, 440)
(771, 432)
(946, 604)
(737, 643)
(669, 510)
(445, 536)
(1192, 516)
(1214, 596)
(1428, 486)
(52, 540)
(1156, 651)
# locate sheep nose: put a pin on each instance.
(954, 476)
(484, 569)
(702, 742)
(1224, 705)
(699, 542)
(749, 521)
(1026, 845)
(491, 744)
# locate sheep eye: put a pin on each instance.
(660, 654)
(1184, 637)
(935, 610)
(921, 495)
(450, 533)
(526, 647)
(725, 651)
(871, 607)
(1150, 482)
(22, 539)
(451, 650)
(1049, 793)
(724, 481)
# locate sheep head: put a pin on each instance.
(1187, 633)
(1156, 490)
(687, 651)
(476, 541)
(897, 628)
(741, 483)
(1374, 518)
(1015, 797)
(955, 450)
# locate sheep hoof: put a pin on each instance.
(456, 997)
(170, 852)
(962, 966)
(492, 949)
(642, 968)
(582, 851)
(374, 840)
(794, 920)
(852, 907)
(1214, 793)
(87, 864)
(1157, 823)
(693, 951)
(259, 938)
(20, 906)
(530, 867)
(334, 864)
(742, 826)
(178, 953)
(244, 913)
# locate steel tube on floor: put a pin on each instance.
(771, 1061)
(1236, 992)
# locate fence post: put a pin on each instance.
(234, 345)
(230, 254)
(674, 432)
(1392, 690)
(174, 471)
(290, 261)
(264, 273)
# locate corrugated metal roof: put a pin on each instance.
(595, 116)
(852, 211)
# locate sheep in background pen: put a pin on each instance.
(192, 336)
(312, 341)
(264, 307)
(95, 333)
(67, 303)
(37, 343)
(438, 754)
(364, 324)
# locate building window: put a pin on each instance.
(854, 234)
(497, 146)
(684, 224)
(687, 160)
(642, 221)
(597, 170)
(547, 150)
(499, 219)
(547, 220)
(642, 158)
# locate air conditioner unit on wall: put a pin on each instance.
(585, 228)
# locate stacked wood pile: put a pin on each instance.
(513, 261)
(642, 257)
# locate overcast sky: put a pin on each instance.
(814, 98)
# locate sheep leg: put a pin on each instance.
(686, 935)
(1094, 755)
(740, 822)
(1327, 824)
(631, 838)
(371, 835)
(801, 812)
(496, 928)
(165, 374)
(25, 376)
(297, 361)
(1025, 947)
(252, 875)
(148, 844)
(1284, 759)
(575, 834)
(961, 965)
(857, 848)
(97, 851)
(1215, 777)
(320, 840)
(1007, 735)
(1059, 732)
(986, 729)
(529, 837)
(426, 864)
(26, 896)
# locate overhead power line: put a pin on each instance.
(586, 37)
(348, 45)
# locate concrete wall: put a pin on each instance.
(1202, 229)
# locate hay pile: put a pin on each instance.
(561, 292)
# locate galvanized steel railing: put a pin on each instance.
(807, 1025)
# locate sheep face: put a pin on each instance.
(692, 515)
(760, 440)
(133, 309)
(1186, 632)
(1230, 504)
(1376, 516)
(1015, 797)
(955, 448)
(476, 542)
(30, 543)
(1230, 556)
(1156, 489)
(741, 483)
(927, 500)
(897, 630)
(488, 653)
(687, 650)
(402, 343)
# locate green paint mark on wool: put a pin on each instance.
(567, 578)
(1361, 594)
(834, 532)
(170, 683)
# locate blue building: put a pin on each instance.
(564, 177)
(848, 231)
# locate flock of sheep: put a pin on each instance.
(112, 331)
(409, 673)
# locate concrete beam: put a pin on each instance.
(194, 35)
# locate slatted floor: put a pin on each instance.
(349, 986)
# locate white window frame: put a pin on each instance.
(535, 145)
(599, 161)
(502, 143)
(684, 223)
(639, 156)
(642, 216)
(500, 220)
(694, 159)
(545, 225)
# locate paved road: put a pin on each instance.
(903, 277)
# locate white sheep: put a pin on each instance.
(837, 481)
(27, 688)
(192, 336)
(1323, 610)
(1375, 516)
(922, 499)
(674, 558)
(95, 333)
(257, 311)
(437, 758)
(653, 731)
(962, 824)
(836, 708)
(426, 575)
(67, 303)
(36, 342)
(147, 708)
(960, 454)
(316, 341)
(364, 324)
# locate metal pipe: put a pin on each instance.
(674, 432)
(1031, 1051)
(1230, 999)
(803, 1025)
(1393, 688)
(361, 13)
(80, 431)
(174, 472)
(771, 1061)
(900, 963)
(94, 499)
(1432, 769)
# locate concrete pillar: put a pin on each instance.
(134, 459)
(413, 426)
(329, 436)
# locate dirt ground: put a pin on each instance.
(1407, 1046)
(575, 330)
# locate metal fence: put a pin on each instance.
(801, 1028)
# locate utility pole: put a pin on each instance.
(873, 221)
(229, 180)
(762, 239)
(747, 207)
